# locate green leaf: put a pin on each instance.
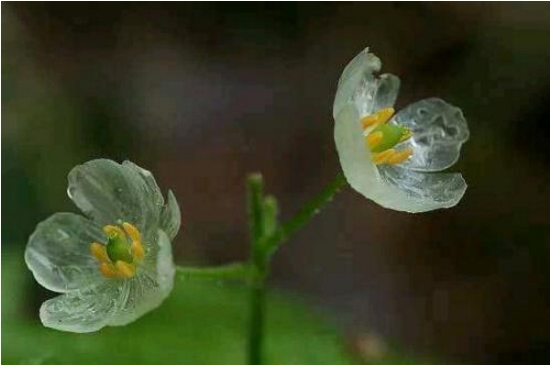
(200, 323)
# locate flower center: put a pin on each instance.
(380, 138)
(118, 258)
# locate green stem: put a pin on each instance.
(256, 218)
(230, 271)
(256, 332)
(306, 213)
(265, 237)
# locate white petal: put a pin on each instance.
(398, 189)
(439, 130)
(357, 80)
(58, 253)
(358, 86)
(386, 92)
(153, 189)
(81, 311)
(152, 284)
(113, 193)
(424, 191)
(170, 217)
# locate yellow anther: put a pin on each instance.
(374, 139)
(125, 269)
(380, 117)
(99, 251)
(400, 156)
(408, 134)
(382, 157)
(132, 231)
(137, 250)
(135, 235)
(117, 257)
(108, 270)
(113, 230)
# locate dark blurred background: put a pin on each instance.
(202, 94)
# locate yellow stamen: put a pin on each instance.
(118, 238)
(380, 117)
(408, 134)
(137, 250)
(135, 235)
(382, 157)
(108, 270)
(132, 231)
(125, 269)
(99, 251)
(113, 230)
(400, 156)
(374, 139)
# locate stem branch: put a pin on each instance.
(306, 213)
(230, 271)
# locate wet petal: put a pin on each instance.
(170, 217)
(81, 311)
(439, 130)
(386, 92)
(358, 86)
(58, 253)
(354, 157)
(422, 191)
(111, 193)
(389, 186)
(357, 82)
(149, 287)
(152, 188)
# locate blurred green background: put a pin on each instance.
(202, 94)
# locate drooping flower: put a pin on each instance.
(394, 159)
(114, 265)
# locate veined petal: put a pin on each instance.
(81, 311)
(357, 81)
(386, 92)
(358, 86)
(170, 217)
(438, 131)
(111, 193)
(423, 191)
(152, 187)
(58, 253)
(149, 287)
(391, 187)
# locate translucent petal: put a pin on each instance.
(111, 193)
(439, 130)
(424, 191)
(152, 284)
(358, 86)
(58, 253)
(357, 80)
(81, 311)
(170, 217)
(153, 189)
(386, 92)
(394, 188)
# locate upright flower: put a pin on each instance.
(115, 265)
(394, 159)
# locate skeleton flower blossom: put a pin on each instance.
(114, 265)
(394, 159)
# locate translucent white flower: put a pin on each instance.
(393, 160)
(115, 265)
